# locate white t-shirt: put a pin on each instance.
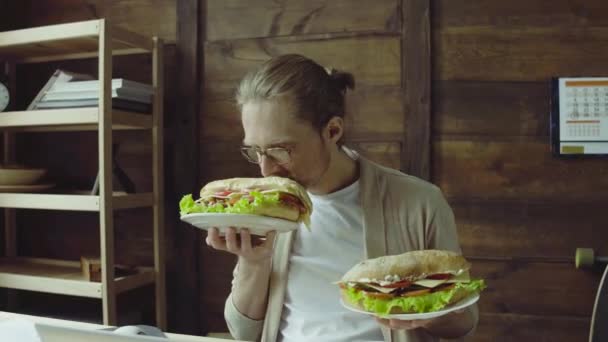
(319, 257)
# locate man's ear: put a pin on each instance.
(334, 129)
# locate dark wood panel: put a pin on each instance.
(374, 111)
(515, 170)
(535, 288)
(223, 160)
(384, 153)
(236, 19)
(184, 171)
(134, 307)
(529, 13)
(74, 169)
(518, 53)
(416, 81)
(493, 109)
(523, 228)
(216, 273)
(10, 12)
(156, 17)
(521, 328)
(70, 235)
(374, 60)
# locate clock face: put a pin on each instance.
(4, 97)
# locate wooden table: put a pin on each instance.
(4, 316)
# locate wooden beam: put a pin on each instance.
(159, 181)
(78, 55)
(416, 82)
(51, 33)
(104, 146)
(143, 277)
(184, 266)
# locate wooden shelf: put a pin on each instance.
(72, 202)
(85, 39)
(61, 277)
(70, 119)
(67, 41)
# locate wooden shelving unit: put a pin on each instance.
(72, 119)
(62, 277)
(87, 39)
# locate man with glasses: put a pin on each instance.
(292, 113)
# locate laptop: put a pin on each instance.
(25, 331)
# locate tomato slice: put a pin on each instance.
(440, 276)
(223, 193)
(292, 200)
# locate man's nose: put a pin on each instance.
(268, 166)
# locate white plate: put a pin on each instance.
(257, 225)
(426, 315)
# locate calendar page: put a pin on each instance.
(583, 115)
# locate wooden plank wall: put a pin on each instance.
(521, 213)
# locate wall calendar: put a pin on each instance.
(579, 116)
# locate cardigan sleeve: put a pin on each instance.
(240, 326)
(441, 231)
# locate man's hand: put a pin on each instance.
(252, 249)
(398, 324)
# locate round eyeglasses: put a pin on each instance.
(280, 155)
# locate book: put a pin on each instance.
(117, 83)
(120, 93)
(58, 77)
(116, 103)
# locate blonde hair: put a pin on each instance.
(316, 93)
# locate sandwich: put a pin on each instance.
(413, 282)
(276, 197)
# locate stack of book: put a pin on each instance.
(69, 90)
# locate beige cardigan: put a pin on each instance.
(401, 213)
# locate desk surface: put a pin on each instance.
(90, 326)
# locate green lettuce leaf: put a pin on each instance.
(425, 303)
(187, 205)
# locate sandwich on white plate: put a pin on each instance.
(410, 283)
